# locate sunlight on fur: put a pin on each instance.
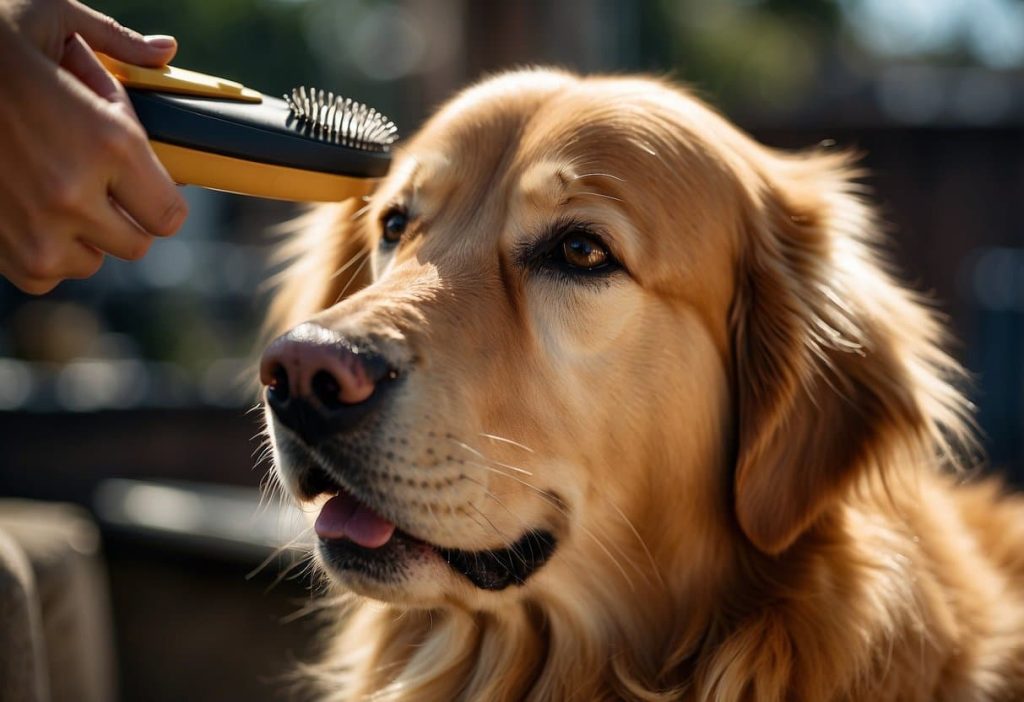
(672, 365)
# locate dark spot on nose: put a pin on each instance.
(319, 383)
(278, 386)
(327, 390)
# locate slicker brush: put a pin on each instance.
(311, 146)
(341, 120)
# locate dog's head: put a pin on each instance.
(585, 335)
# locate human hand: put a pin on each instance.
(78, 179)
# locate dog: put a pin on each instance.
(597, 398)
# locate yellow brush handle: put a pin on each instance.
(170, 79)
(236, 175)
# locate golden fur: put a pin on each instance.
(746, 442)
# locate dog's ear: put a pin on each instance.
(822, 376)
(325, 259)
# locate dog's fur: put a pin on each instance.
(745, 441)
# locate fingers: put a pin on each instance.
(145, 191)
(24, 280)
(84, 262)
(105, 34)
(71, 148)
(79, 59)
(36, 265)
(139, 182)
(39, 267)
(117, 235)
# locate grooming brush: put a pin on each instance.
(311, 146)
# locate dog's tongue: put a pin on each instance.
(345, 517)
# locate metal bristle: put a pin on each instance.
(341, 120)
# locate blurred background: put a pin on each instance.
(127, 394)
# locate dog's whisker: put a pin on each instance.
(312, 607)
(615, 561)
(258, 456)
(494, 468)
(472, 450)
(506, 538)
(600, 544)
(607, 197)
(263, 443)
(306, 561)
(517, 469)
(360, 258)
(265, 450)
(518, 480)
(277, 552)
(269, 488)
(264, 440)
(643, 544)
(525, 527)
(430, 509)
(282, 575)
(362, 210)
(502, 439)
(469, 448)
(271, 492)
(488, 493)
(503, 537)
(307, 570)
(263, 459)
(599, 175)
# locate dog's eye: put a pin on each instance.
(571, 251)
(394, 222)
(583, 251)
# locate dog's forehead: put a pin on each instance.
(505, 160)
(505, 153)
(469, 142)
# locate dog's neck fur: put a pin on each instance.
(581, 647)
(755, 632)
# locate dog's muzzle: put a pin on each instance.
(329, 391)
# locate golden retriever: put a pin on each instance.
(596, 398)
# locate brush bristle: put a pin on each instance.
(341, 120)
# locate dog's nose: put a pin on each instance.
(319, 383)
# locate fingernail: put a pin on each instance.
(161, 41)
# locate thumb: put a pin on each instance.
(106, 35)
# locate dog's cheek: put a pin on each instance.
(580, 320)
(380, 262)
(586, 339)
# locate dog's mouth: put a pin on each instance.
(353, 536)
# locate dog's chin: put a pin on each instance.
(382, 560)
(409, 569)
(403, 571)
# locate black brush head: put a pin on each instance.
(323, 135)
(340, 120)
